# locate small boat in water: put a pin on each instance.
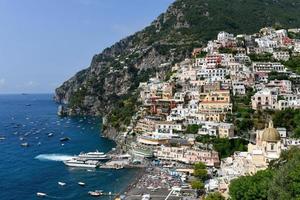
(81, 183)
(64, 139)
(95, 193)
(25, 144)
(50, 134)
(2, 138)
(41, 194)
(61, 183)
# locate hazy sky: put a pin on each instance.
(45, 42)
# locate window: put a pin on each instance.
(272, 147)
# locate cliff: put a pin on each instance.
(108, 86)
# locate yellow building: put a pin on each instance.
(216, 101)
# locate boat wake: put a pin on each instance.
(53, 157)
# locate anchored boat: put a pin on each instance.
(77, 162)
(93, 156)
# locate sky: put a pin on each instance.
(45, 42)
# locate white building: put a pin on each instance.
(264, 99)
(238, 88)
(268, 67)
(281, 55)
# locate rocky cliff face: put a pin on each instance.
(115, 73)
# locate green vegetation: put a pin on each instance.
(197, 185)
(169, 74)
(227, 50)
(293, 64)
(200, 173)
(274, 75)
(224, 146)
(280, 181)
(251, 187)
(243, 113)
(294, 35)
(76, 100)
(266, 57)
(123, 111)
(291, 120)
(192, 129)
(214, 196)
(202, 54)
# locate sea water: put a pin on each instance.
(24, 171)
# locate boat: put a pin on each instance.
(41, 194)
(64, 139)
(25, 144)
(61, 183)
(50, 134)
(2, 138)
(81, 183)
(77, 162)
(95, 193)
(93, 156)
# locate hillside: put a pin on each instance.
(109, 84)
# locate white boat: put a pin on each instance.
(77, 162)
(25, 144)
(95, 193)
(81, 183)
(61, 183)
(41, 194)
(93, 156)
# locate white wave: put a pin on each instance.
(53, 157)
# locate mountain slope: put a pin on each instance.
(115, 73)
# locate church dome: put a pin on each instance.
(270, 134)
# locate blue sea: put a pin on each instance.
(24, 171)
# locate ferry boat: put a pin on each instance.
(76, 162)
(93, 156)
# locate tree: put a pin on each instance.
(251, 187)
(197, 185)
(280, 181)
(286, 181)
(192, 129)
(200, 171)
(214, 196)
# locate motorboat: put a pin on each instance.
(50, 134)
(61, 183)
(96, 193)
(64, 139)
(41, 194)
(81, 183)
(25, 144)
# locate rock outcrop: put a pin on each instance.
(116, 72)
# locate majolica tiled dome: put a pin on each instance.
(270, 134)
